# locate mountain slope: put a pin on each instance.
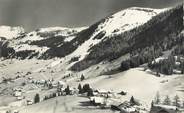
(115, 24)
(106, 40)
(157, 30)
(64, 54)
(36, 43)
(60, 42)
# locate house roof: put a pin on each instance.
(97, 99)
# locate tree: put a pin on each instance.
(67, 90)
(54, 95)
(90, 92)
(157, 98)
(167, 101)
(86, 88)
(152, 104)
(182, 67)
(125, 65)
(37, 98)
(82, 77)
(80, 89)
(176, 101)
(45, 98)
(132, 101)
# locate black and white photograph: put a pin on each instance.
(91, 56)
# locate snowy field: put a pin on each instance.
(137, 82)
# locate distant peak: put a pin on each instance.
(145, 9)
(10, 32)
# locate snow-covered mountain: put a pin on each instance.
(10, 32)
(126, 20)
(39, 41)
(112, 37)
(44, 33)
(83, 42)
(116, 24)
(103, 53)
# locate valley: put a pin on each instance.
(129, 62)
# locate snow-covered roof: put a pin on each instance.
(102, 91)
(129, 109)
(61, 82)
(99, 100)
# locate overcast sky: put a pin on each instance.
(32, 14)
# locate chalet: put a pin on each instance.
(103, 93)
(128, 110)
(20, 97)
(54, 84)
(97, 100)
(74, 91)
(60, 89)
(29, 102)
(41, 82)
(124, 107)
(17, 93)
(61, 84)
(163, 109)
(175, 71)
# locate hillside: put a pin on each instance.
(130, 42)
(36, 43)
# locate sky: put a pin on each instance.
(33, 14)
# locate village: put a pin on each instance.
(121, 102)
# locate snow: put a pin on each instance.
(128, 19)
(122, 21)
(10, 32)
(68, 39)
(136, 82)
(82, 50)
(24, 47)
(166, 106)
(65, 104)
(66, 29)
(54, 63)
(17, 103)
(59, 31)
(129, 110)
(32, 36)
(157, 60)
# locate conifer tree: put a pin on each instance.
(37, 98)
(167, 101)
(176, 101)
